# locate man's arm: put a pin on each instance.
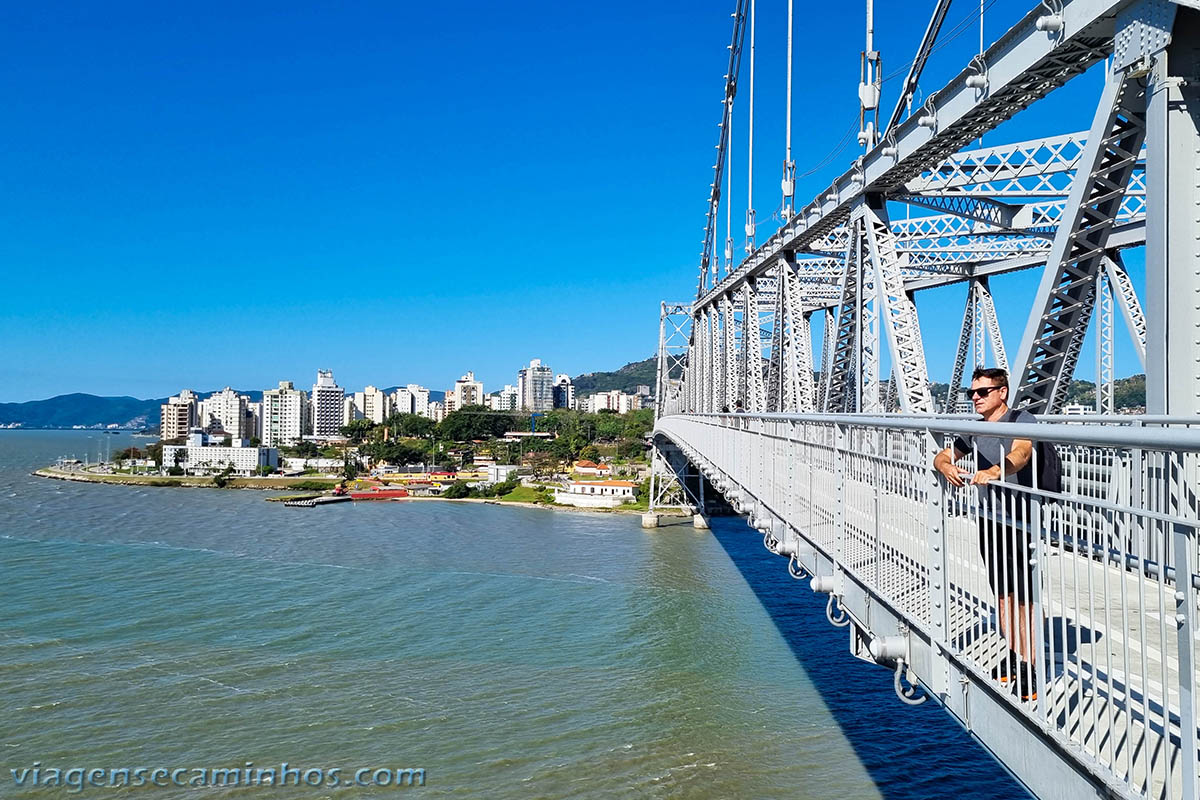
(943, 462)
(1014, 462)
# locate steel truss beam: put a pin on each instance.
(980, 329)
(1063, 306)
(673, 335)
(1127, 300)
(839, 351)
(1023, 66)
(897, 311)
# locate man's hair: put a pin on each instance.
(994, 374)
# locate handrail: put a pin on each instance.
(1178, 440)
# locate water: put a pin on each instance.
(511, 653)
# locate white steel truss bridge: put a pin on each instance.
(796, 386)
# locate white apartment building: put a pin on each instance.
(326, 403)
(352, 408)
(197, 456)
(466, 392)
(535, 384)
(253, 420)
(411, 399)
(225, 411)
(376, 406)
(178, 415)
(507, 399)
(614, 400)
(563, 391)
(284, 412)
(436, 411)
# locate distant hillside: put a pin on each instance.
(67, 410)
(626, 379)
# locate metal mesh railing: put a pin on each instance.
(1079, 607)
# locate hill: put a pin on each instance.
(67, 410)
(626, 379)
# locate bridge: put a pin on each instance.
(795, 387)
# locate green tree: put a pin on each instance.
(358, 430)
(475, 422)
(609, 426)
(221, 479)
(410, 425)
(457, 490)
(590, 453)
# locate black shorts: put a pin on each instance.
(1007, 556)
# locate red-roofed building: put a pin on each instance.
(592, 468)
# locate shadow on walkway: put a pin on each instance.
(910, 753)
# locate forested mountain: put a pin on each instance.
(626, 379)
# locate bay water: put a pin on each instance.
(507, 652)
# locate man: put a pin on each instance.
(1004, 531)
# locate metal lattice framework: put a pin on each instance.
(1067, 204)
(847, 272)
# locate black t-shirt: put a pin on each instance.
(991, 449)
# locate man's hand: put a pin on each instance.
(986, 476)
(951, 473)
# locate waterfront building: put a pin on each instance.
(254, 420)
(197, 456)
(284, 413)
(563, 392)
(224, 411)
(326, 405)
(535, 385)
(178, 415)
(499, 473)
(596, 494)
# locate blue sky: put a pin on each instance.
(243, 193)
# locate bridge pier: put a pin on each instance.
(700, 522)
(650, 520)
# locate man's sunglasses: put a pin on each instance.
(983, 391)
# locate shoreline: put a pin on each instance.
(164, 482)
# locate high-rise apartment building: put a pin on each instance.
(326, 403)
(466, 392)
(411, 399)
(224, 411)
(284, 412)
(178, 415)
(254, 420)
(563, 392)
(376, 405)
(535, 384)
(507, 399)
(352, 408)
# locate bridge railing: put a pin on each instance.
(1094, 588)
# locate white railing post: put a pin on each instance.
(839, 514)
(939, 579)
(1184, 536)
